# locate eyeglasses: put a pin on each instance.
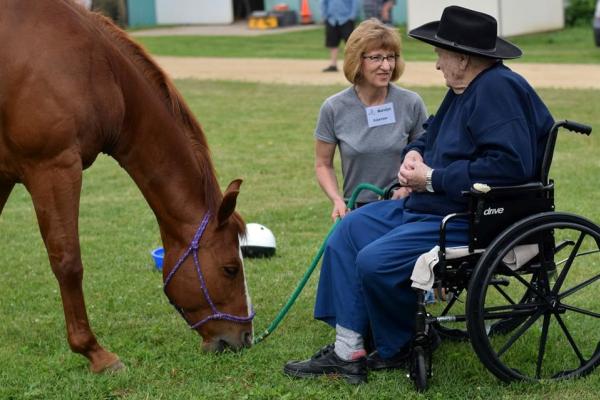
(378, 59)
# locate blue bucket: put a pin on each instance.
(158, 255)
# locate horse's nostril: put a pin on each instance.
(247, 339)
(222, 345)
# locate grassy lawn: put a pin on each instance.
(571, 45)
(264, 136)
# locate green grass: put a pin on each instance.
(264, 136)
(571, 45)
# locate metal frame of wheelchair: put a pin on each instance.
(518, 321)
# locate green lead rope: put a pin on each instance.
(314, 264)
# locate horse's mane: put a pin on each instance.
(172, 99)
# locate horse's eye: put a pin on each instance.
(231, 271)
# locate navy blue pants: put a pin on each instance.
(366, 269)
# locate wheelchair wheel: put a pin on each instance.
(545, 318)
(420, 368)
(457, 332)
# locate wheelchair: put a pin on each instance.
(530, 277)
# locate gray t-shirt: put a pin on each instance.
(370, 155)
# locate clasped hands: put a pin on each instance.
(412, 175)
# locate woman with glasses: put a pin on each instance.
(370, 122)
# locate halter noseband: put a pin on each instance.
(193, 249)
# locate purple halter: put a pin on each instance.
(193, 247)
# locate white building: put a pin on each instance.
(179, 12)
(515, 17)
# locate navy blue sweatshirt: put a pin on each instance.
(494, 132)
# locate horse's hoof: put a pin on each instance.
(111, 368)
(115, 367)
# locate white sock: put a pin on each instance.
(349, 345)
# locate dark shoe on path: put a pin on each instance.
(331, 68)
(326, 362)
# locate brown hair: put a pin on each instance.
(371, 34)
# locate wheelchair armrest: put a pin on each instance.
(503, 190)
(443, 225)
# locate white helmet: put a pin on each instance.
(258, 241)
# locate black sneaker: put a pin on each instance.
(399, 361)
(331, 68)
(326, 362)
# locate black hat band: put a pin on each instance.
(455, 44)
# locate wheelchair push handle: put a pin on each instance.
(576, 127)
(548, 153)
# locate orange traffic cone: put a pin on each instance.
(305, 14)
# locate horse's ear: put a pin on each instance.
(229, 200)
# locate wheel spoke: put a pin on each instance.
(542, 349)
(511, 313)
(585, 253)
(542, 277)
(451, 303)
(520, 332)
(504, 294)
(570, 338)
(581, 310)
(528, 285)
(508, 315)
(569, 263)
(514, 307)
(578, 287)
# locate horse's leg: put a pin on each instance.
(55, 188)
(5, 189)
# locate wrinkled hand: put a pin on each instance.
(413, 155)
(413, 174)
(401, 193)
(410, 160)
(339, 209)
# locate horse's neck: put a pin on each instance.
(161, 160)
(158, 141)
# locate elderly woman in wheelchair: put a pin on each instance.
(481, 166)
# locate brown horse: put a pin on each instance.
(73, 85)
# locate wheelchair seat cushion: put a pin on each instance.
(520, 255)
(423, 276)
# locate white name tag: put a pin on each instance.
(381, 115)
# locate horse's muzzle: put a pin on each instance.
(225, 343)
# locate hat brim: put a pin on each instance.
(427, 33)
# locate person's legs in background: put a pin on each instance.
(386, 11)
(371, 9)
(333, 55)
(332, 41)
(334, 34)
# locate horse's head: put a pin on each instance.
(209, 288)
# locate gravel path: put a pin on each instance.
(308, 72)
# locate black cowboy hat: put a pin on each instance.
(466, 31)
